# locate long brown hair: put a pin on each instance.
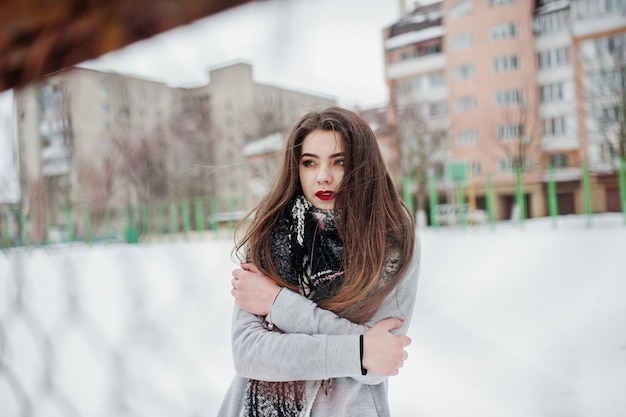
(373, 218)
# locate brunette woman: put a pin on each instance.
(326, 292)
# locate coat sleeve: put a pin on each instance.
(259, 353)
(295, 314)
(313, 346)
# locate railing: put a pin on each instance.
(128, 224)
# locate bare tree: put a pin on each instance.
(170, 160)
(422, 141)
(605, 89)
(268, 115)
(50, 193)
(191, 146)
(519, 136)
(264, 132)
(141, 165)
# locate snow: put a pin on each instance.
(513, 320)
(268, 144)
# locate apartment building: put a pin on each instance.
(80, 131)
(90, 139)
(244, 111)
(507, 81)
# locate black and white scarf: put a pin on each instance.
(307, 252)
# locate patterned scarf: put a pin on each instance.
(306, 251)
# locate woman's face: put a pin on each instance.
(321, 167)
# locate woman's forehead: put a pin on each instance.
(322, 140)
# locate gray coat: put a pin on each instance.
(316, 345)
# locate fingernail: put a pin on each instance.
(402, 320)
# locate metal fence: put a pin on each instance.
(117, 330)
(128, 224)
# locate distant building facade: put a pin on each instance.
(90, 140)
(509, 80)
(244, 111)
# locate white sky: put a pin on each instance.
(329, 47)
(333, 47)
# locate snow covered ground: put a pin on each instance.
(509, 322)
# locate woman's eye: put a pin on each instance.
(340, 162)
(308, 163)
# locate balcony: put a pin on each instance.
(417, 65)
(559, 143)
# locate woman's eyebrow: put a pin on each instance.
(312, 155)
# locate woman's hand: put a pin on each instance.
(254, 291)
(383, 352)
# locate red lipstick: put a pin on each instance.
(325, 195)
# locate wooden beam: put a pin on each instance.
(40, 37)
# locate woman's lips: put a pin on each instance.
(325, 195)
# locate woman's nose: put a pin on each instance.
(324, 176)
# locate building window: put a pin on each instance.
(467, 138)
(554, 58)
(475, 168)
(505, 63)
(504, 31)
(464, 72)
(610, 115)
(559, 160)
(408, 86)
(509, 97)
(554, 126)
(551, 92)
(584, 9)
(438, 108)
(611, 45)
(607, 81)
(506, 164)
(437, 79)
(498, 3)
(551, 23)
(460, 9)
(465, 104)
(510, 131)
(462, 41)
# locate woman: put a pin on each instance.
(324, 299)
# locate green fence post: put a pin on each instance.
(145, 220)
(124, 222)
(69, 225)
(173, 216)
(199, 208)
(586, 193)
(130, 230)
(107, 224)
(622, 186)
(134, 225)
(489, 201)
(5, 230)
(158, 221)
(214, 209)
(519, 195)
(46, 229)
(186, 215)
(553, 205)
(460, 196)
(232, 208)
(433, 201)
(407, 195)
(87, 226)
(24, 226)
